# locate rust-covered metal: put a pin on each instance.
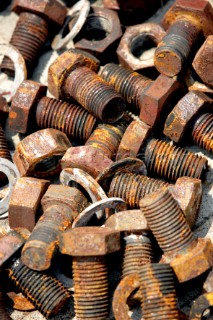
(124, 290)
(72, 75)
(180, 248)
(202, 132)
(100, 21)
(133, 38)
(203, 62)
(203, 303)
(158, 292)
(24, 207)
(186, 22)
(208, 284)
(91, 293)
(39, 153)
(61, 205)
(151, 98)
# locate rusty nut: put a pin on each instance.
(203, 62)
(39, 154)
(52, 10)
(21, 115)
(25, 202)
(100, 20)
(91, 241)
(186, 110)
(62, 67)
(134, 38)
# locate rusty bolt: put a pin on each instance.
(39, 153)
(203, 62)
(191, 114)
(186, 22)
(158, 292)
(31, 109)
(24, 207)
(126, 287)
(187, 256)
(151, 98)
(72, 75)
(99, 150)
(33, 28)
(100, 33)
(4, 149)
(61, 204)
(89, 268)
(208, 284)
(133, 40)
(160, 157)
(203, 303)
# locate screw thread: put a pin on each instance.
(4, 149)
(28, 37)
(107, 138)
(91, 298)
(138, 251)
(95, 95)
(158, 292)
(3, 313)
(71, 119)
(167, 222)
(175, 48)
(132, 187)
(128, 83)
(171, 162)
(202, 133)
(47, 294)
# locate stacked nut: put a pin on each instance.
(99, 182)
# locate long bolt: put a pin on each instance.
(133, 187)
(158, 292)
(202, 132)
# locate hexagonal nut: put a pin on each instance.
(64, 195)
(104, 20)
(130, 220)
(39, 154)
(86, 158)
(184, 113)
(199, 12)
(133, 38)
(91, 241)
(203, 62)
(196, 261)
(24, 211)
(156, 100)
(133, 139)
(52, 10)
(21, 115)
(62, 67)
(188, 193)
(208, 284)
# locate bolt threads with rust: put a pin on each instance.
(171, 162)
(138, 251)
(202, 132)
(29, 36)
(71, 119)
(47, 294)
(178, 42)
(106, 138)
(91, 297)
(167, 222)
(95, 95)
(158, 292)
(128, 83)
(4, 149)
(3, 313)
(133, 187)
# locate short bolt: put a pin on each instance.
(31, 105)
(91, 297)
(32, 30)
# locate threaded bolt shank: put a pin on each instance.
(202, 132)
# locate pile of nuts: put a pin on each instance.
(100, 182)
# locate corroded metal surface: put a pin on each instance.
(201, 304)
(208, 284)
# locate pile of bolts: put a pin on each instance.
(101, 189)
